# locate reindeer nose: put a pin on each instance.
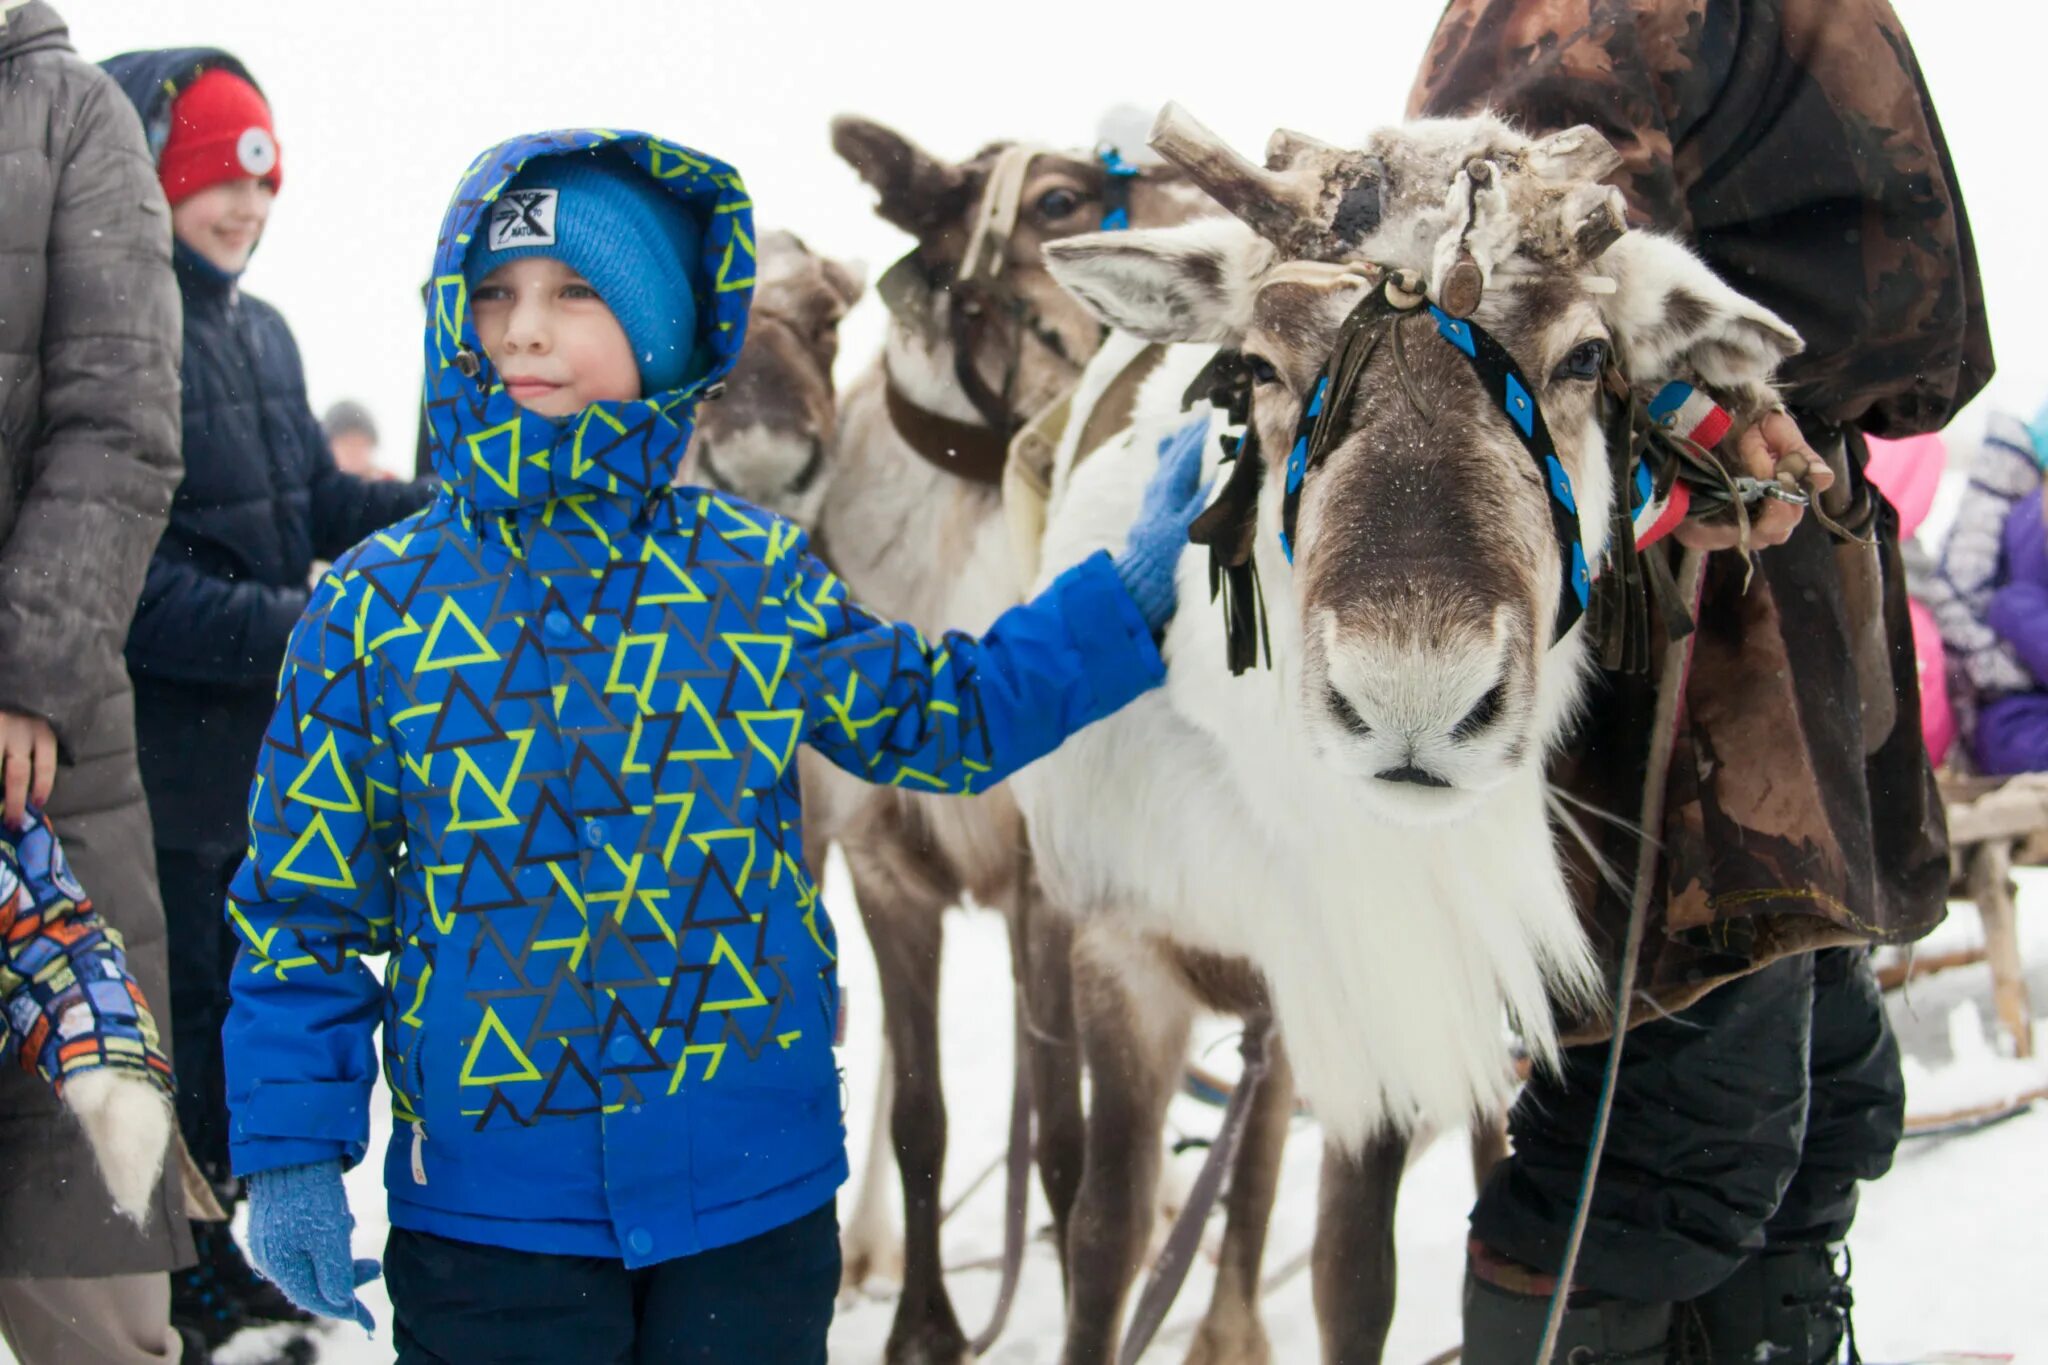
(1408, 772)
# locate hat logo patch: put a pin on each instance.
(523, 218)
(256, 150)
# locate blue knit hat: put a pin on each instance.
(637, 244)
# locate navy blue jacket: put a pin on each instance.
(261, 500)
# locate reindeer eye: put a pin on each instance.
(1586, 361)
(1057, 204)
(1262, 370)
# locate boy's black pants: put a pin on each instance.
(202, 957)
(1743, 1122)
(764, 1301)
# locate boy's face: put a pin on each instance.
(224, 222)
(557, 346)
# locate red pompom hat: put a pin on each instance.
(220, 131)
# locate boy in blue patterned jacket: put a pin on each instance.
(536, 744)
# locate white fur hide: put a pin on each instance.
(127, 1120)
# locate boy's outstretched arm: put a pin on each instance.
(961, 714)
(313, 896)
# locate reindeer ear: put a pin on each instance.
(848, 279)
(1672, 317)
(1581, 152)
(918, 190)
(778, 254)
(1188, 283)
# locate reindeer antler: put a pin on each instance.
(1319, 207)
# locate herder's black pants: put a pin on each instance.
(1742, 1122)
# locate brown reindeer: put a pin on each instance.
(769, 438)
(1348, 828)
(980, 339)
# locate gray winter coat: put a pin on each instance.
(89, 328)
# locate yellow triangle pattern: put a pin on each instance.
(325, 763)
(480, 651)
(523, 1068)
(317, 836)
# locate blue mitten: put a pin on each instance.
(1173, 500)
(298, 1236)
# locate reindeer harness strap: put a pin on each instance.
(967, 450)
(1226, 526)
(1116, 191)
(1661, 453)
(973, 300)
(1502, 379)
(1380, 315)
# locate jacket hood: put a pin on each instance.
(496, 454)
(33, 27)
(152, 79)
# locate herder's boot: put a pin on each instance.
(1788, 1306)
(1503, 1327)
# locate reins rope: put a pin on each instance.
(1664, 723)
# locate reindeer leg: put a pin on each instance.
(1232, 1332)
(1054, 1052)
(869, 1245)
(1354, 1251)
(1134, 1017)
(903, 906)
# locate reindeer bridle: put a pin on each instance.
(1653, 465)
(1378, 318)
(978, 453)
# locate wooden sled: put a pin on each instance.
(1994, 824)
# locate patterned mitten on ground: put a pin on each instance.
(1173, 500)
(299, 1227)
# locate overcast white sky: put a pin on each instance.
(380, 105)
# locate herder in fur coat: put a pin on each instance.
(1793, 143)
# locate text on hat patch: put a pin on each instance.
(522, 218)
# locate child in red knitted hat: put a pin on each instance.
(261, 499)
(220, 167)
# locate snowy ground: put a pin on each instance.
(1947, 1250)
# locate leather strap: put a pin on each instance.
(1185, 1240)
(965, 450)
(1113, 410)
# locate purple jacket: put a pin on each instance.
(2019, 608)
(2012, 734)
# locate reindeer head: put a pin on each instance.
(1431, 564)
(976, 280)
(769, 439)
